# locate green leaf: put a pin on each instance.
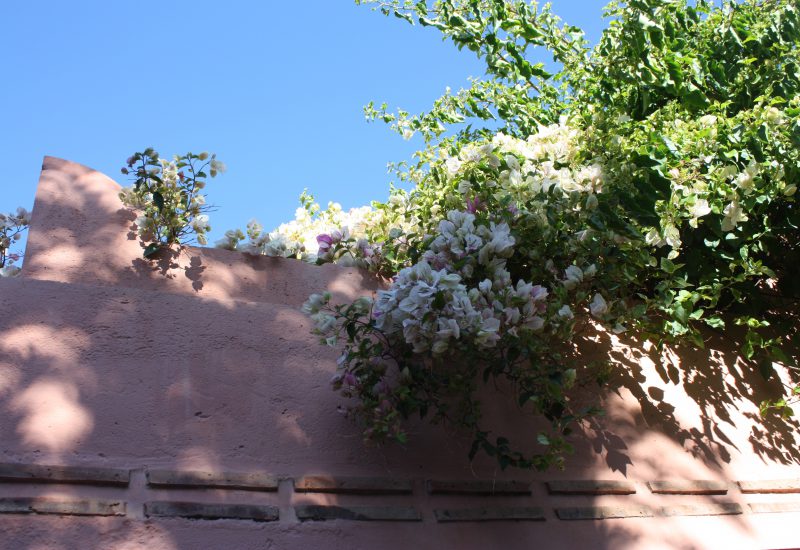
(151, 249)
(680, 314)
(695, 99)
(656, 37)
(158, 200)
(645, 161)
(425, 22)
(715, 322)
(456, 21)
(645, 22)
(766, 369)
(474, 449)
(667, 265)
(404, 16)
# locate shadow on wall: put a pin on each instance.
(78, 225)
(102, 362)
(80, 233)
(126, 378)
(702, 399)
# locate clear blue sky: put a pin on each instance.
(276, 89)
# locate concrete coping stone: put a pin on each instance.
(59, 506)
(352, 485)
(87, 475)
(197, 510)
(612, 512)
(603, 512)
(315, 512)
(704, 509)
(202, 478)
(689, 487)
(591, 487)
(479, 487)
(451, 515)
(774, 507)
(771, 486)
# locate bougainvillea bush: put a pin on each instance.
(647, 183)
(168, 194)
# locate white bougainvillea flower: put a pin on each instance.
(700, 208)
(598, 307)
(746, 179)
(653, 238)
(488, 334)
(324, 322)
(216, 167)
(538, 293)
(708, 121)
(734, 215)
(316, 302)
(672, 236)
(535, 323)
(200, 223)
(565, 312)
(453, 165)
(23, 217)
(9, 271)
(573, 276)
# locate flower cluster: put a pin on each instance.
(168, 195)
(12, 226)
(310, 236)
(522, 168)
(492, 261)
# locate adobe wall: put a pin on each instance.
(184, 404)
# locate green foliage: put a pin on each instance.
(519, 92)
(650, 181)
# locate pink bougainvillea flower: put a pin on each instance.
(473, 205)
(350, 379)
(325, 241)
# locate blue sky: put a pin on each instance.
(276, 89)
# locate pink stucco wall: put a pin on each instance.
(203, 362)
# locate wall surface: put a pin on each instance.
(183, 403)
